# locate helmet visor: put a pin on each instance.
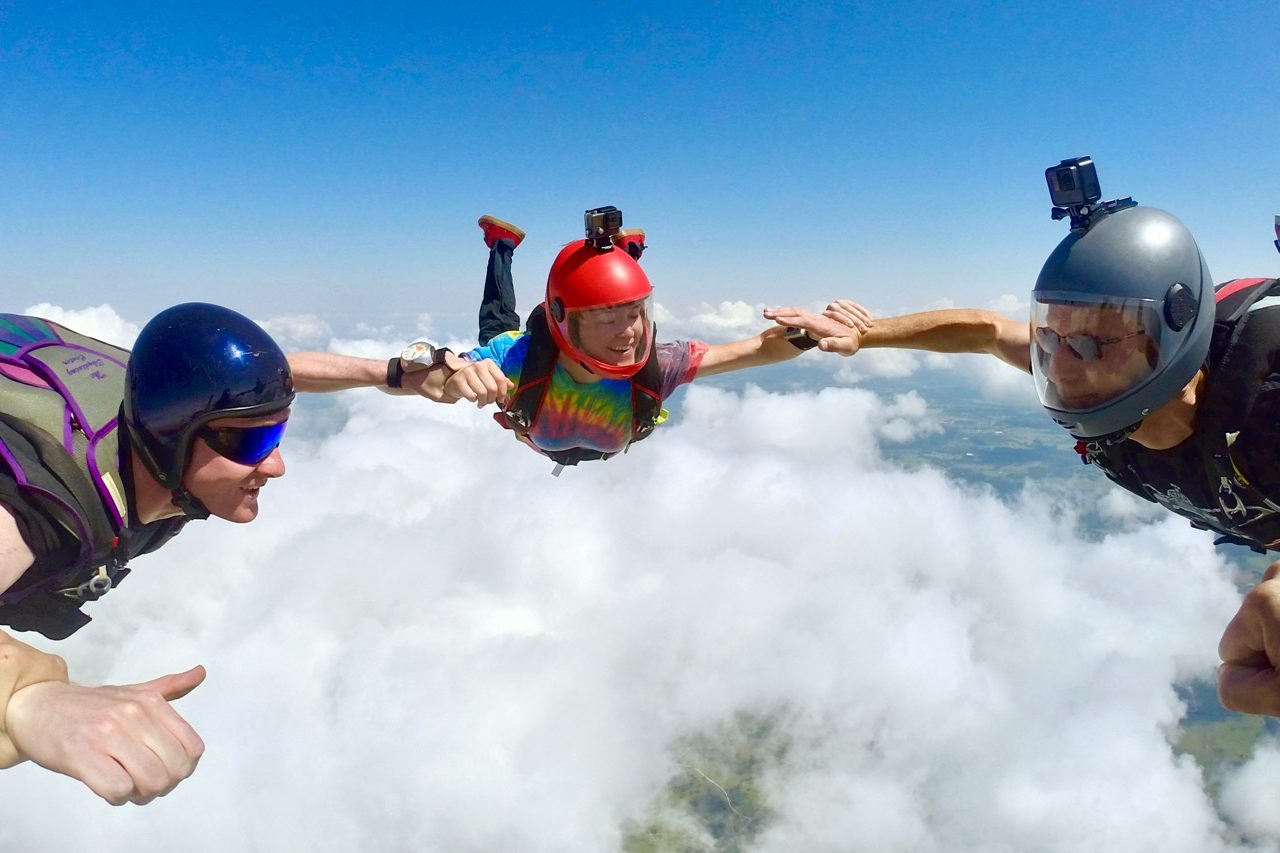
(614, 338)
(1086, 353)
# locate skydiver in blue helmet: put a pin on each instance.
(1169, 385)
(106, 454)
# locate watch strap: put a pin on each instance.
(395, 372)
(800, 339)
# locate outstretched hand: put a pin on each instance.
(839, 328)
(125, 743)
(480, 382)
(1249, 678)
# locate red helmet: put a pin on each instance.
(598, 309)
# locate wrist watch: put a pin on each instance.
(800, 338)
(419, 355)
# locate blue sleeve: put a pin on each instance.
(507, 350)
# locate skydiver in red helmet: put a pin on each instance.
(587, 378)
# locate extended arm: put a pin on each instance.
(953, 330)
(456, 379)
(956, 330)
(771, 345)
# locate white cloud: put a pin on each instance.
(907, 419)
(364, 347)
(428, 642)
(938, 360)
(1010, 305)
(371, 330)
(1243, 797)
(726, 321)
(1001, 382)
(101, 322)
(295, 332)
(881, 363)
(1126, 506)
(662, 316)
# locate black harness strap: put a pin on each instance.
(521, 412)
(1244, 368)
(1245, 348)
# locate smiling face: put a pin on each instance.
(229, 489)
(613, 335)
(1091, 354)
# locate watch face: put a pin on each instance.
(419, 352)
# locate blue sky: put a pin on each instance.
(321, 159)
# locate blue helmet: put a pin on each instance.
(191, 364)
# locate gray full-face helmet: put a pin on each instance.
(1121, 319)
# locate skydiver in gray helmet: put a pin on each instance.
(1168, 384)
(1121, 318)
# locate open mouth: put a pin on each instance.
(622, 354)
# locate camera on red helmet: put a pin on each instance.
(598, 306)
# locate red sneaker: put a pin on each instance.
(495, 229)
(632, 240)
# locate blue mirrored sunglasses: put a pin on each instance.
(246, 445)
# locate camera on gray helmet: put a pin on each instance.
(601, 224)
(1075, 191)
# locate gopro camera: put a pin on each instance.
(1073, 183)
(1074, 188)
(601, 224)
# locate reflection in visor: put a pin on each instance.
(1083, 347)
(1088, 354)
(627, 312)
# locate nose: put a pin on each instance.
(1062, 362)
(273, 465)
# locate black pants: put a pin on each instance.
(498, 307)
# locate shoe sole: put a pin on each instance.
(498, 223)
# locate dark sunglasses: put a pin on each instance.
(246, 445)
(1083, 347)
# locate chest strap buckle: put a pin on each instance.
(92, 589)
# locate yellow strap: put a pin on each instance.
(1239, 474)
(1231, 440)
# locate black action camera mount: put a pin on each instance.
(1074, 190)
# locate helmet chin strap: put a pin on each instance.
(1118, 436)
(190, 505)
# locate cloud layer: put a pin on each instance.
(427, 642)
